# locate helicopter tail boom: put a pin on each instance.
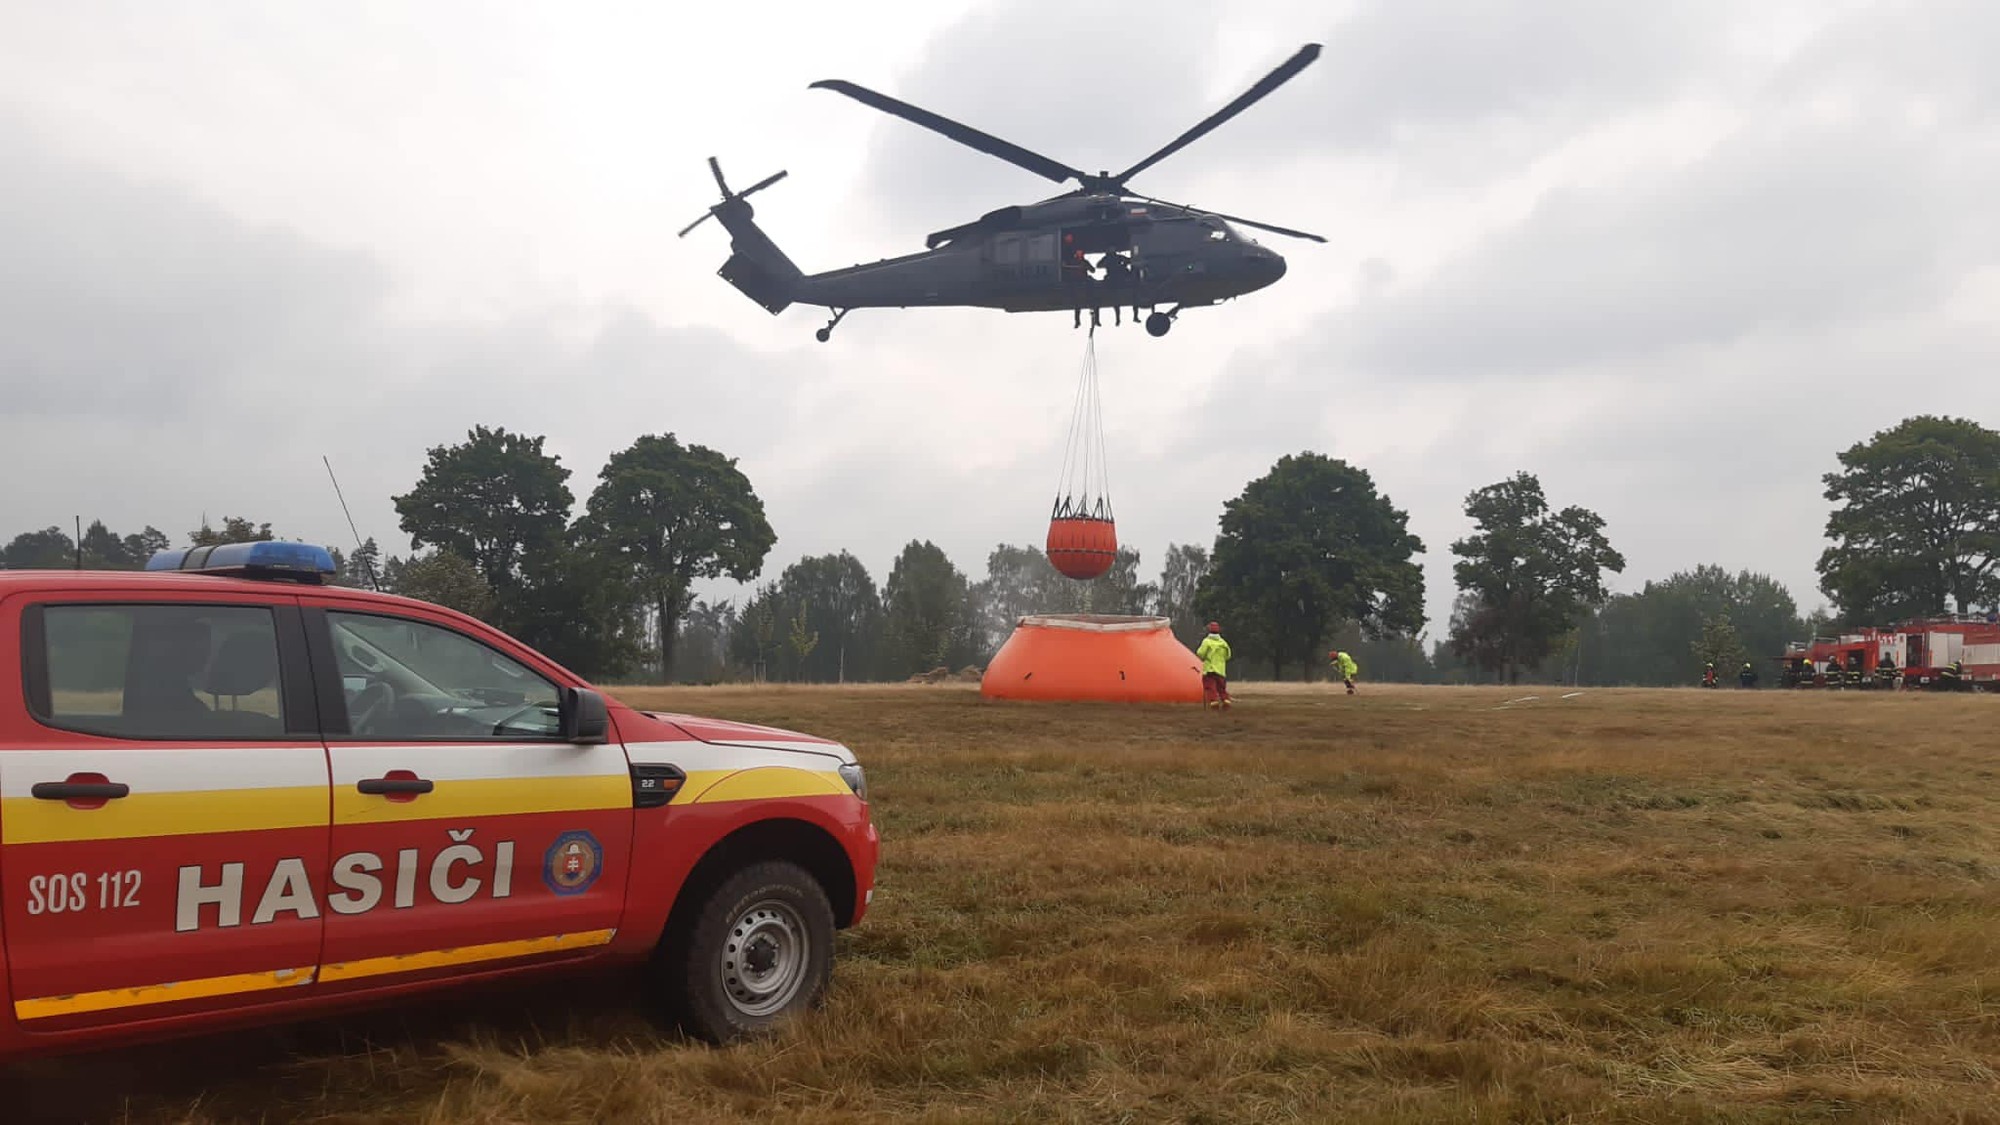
(756, 267)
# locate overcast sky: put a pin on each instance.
(1670, 257)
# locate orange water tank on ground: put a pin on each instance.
(1093, 657)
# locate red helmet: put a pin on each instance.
(1214, 627)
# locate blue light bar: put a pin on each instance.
(302, 562)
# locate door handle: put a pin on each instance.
(384, 785)
(80, 790)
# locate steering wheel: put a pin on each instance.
(376, 700)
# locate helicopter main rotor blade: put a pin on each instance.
(964, 134)
(1235, 219)
(1283, 74)
(1267, 226)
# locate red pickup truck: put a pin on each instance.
(231, 794)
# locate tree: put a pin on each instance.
(364, 567)
(1478, 633)
(146, 544)
(702, 652)
(802, 640)
(1307, 547)
(1719, 645)
(1532, 575)
(1649, 637)
(48, 549)
(497, 501)
(1118, 590)
(818, 622)
(578, 604)
(1392, 659)
(756, 634)
(928, 616)
(674, 514)
(1919, 522)
(1021, 580)
(837, 601)
(235, 529)
(442, 578)
(103, 550)
(1180, 580)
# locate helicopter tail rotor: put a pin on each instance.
(756, 266)
(729, 197)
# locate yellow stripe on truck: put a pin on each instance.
(464, 955)
(474, 797)
(30, 820)
(761, 783)
(81, 1002)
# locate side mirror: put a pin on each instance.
(582, 717)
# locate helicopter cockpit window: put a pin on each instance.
(1007, 249)
(1042, 248)
(1217, 232)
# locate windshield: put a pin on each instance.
(1219, 230)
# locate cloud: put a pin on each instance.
(1393, 70)
(123, 299)
(1679, 340)
(167, 360)
(1098, 89)
(1788, 224)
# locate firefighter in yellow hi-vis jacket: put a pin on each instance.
(1214, 654)
(1348, 669)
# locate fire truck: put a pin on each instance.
(1960, 653)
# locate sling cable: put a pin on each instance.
(1083, 537)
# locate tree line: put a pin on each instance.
(1309, 557)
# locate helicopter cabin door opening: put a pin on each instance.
(1105, 235)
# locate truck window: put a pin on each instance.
(408, 679)
(160, 671)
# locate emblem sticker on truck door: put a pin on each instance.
(572, 863)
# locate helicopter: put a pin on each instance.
(1097, 246)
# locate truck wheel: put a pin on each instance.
(760, 949)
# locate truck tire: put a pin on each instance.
(758, 951)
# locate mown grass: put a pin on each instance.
(1410, 905)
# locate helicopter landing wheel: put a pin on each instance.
(1158, 323)
(825, 334)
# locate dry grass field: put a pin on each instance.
(1411, 905)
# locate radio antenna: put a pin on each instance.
(367, 567)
